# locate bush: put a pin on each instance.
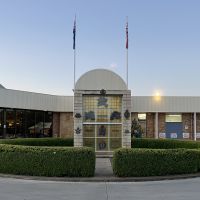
(47, 161)
(39, 141)
(164, 144)
(155, 162)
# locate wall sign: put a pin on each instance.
(186, 135)
(173, 135)
(162, 135)
(198, 135)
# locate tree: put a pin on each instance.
(136, 129)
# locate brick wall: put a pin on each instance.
(150, 124)
(161, 123)
(63, 125)
(56, 124)
(66, 125)
(187, 119)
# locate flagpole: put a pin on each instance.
(74, 69)
(74, 48)
(127, 51)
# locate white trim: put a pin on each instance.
(195, 126)
(156, 125)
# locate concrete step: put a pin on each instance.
(104, 154)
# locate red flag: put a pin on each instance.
(126, 35)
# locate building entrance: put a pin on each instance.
(102, 122)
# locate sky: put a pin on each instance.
(36, 43)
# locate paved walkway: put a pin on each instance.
(103, 167)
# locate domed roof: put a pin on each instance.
(2, 87)
(98, 79)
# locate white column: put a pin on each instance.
(156, 125)
(195, 126)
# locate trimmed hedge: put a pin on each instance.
(39, 141)
(47, 161)
(155, 162)
(164, 144)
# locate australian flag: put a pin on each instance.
(127, 35)
(74, 34)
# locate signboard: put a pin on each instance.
(186, 135)
(198, 135)
(162, 135)
(173, 135)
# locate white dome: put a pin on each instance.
(98, 79)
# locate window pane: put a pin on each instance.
(89, 131)
(20, 123)
(102, 131)
(10, 123)
(1, 122)
(30, 127)
(48, 124)
(115, 131)
(102, 144)
(89, 142)
(115, 143)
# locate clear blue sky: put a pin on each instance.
(164, 43)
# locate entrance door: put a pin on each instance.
(174, 130)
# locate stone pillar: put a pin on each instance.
(78, 125)
(126, 127)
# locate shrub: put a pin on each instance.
(47, 161)
(155, 162)
(164, 144)
(39, 141)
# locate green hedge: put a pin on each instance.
(155, 162)
(164, 144)
(47, 161)
(39, 141)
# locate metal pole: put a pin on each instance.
(127, 67)
(127, 51)
(74, 69)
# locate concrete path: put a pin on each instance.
(103, 167)
(15, 189)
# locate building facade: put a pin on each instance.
(99, 114)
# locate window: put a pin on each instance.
(141, 116)
(102, 122)
(173, 118)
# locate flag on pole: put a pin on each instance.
(127, 35)
(74, 34)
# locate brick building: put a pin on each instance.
(99, 114)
